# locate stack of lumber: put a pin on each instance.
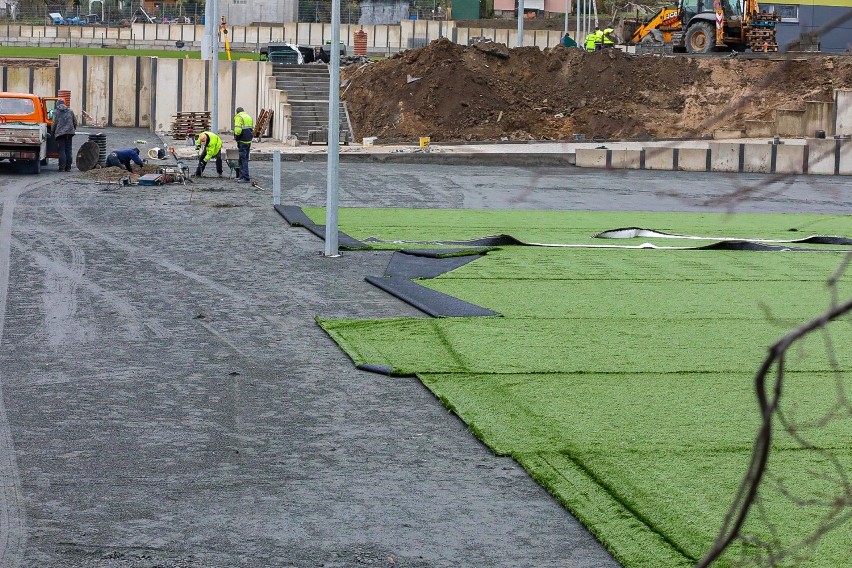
(186, 124)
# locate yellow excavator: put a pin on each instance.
(702, 26)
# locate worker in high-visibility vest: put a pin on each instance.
(608, 40)
(209, 147)
(243, 134)
(594, 40)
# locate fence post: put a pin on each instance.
(276, 177)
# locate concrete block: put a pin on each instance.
(725, 156)
(819, 116)
(727, 134)
(626, 159)
(790, 123)
(821, 156)
(789, 158)
(757, 158)
(843, 111)
(591, 158)
(759, 129)
(659, 158)
(692, 159)
(845, 158)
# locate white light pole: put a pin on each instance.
(214, 25)
(520, 23)
(331, 245)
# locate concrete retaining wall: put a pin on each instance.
(381, 38)
(819, 116)
(659, 158)
(790, 159)
(592, 158)
(145, 92)
(790, 123)
(822, 156)
(757, 158)
(759, 129)
(692, 159)
(726, 157)
(38, 80)
(843, 112)
(818, 156)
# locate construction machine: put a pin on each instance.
(701, 26)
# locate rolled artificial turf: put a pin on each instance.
(622, 380)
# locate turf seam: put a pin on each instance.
(618, 499)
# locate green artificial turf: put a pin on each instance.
(622, 380)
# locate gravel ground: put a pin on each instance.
(167, 400)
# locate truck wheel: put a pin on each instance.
(700, 38)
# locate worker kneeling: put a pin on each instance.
(123, 158)
(209, 146)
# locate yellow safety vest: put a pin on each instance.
(243, 127)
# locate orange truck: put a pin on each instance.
(25, 138)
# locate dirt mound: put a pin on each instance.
(487, 91)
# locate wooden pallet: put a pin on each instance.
(185, 124)
(262, 123)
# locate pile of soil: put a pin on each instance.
(114, 175)
(488, 91)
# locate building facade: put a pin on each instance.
(247, 12)
(826, 24)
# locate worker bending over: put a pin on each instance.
(123, 158)
(608, 40)
(209, 146)
(243, 134)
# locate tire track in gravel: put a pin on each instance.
(58, 197)
(58, 202)
(13, 537)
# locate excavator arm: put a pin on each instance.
(663, 22)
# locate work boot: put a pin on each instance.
(67, 168)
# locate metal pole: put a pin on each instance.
(276, 177)
(333, 135)
(520, 23)
(579, 13)
(214, 39)
(567, 11)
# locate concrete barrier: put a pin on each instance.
(659, 158)
(692, 159)
(819, 116)
(626, 159)
(822, 157)
(790, 122)
(727, 134)
(843, 112)
(844, 166)
(759, 129)
(790, 158)
(591, 158)
(758, 158)
(726, 157)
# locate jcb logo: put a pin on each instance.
(670, 18)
